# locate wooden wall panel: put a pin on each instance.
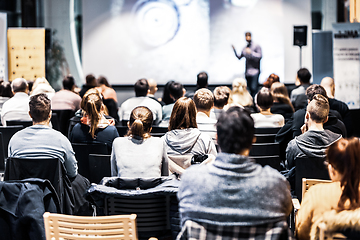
(26, 53)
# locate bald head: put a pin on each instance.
(19, 85)
(329, 85)
(152, 86)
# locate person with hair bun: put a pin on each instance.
(93, 126)
(338, 201)
(265, 119)
(138, 155)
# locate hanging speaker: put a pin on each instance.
(300, 36)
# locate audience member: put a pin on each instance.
(240, 95)
(315, 139)
(166, 99)
(41, 85)
(41, 141)
(265, 119)
(282, 104)
(292, 127)
(338, 201)
(204, 102)
(233, 192)
(221, 99)
(152, 89)
(94, 127)
(90, 83)
(66, 99)
(298, 96)
(273, 78)
(17, 107)
(184, 140)
(140, 99)
(109, 97)
(5, 93)
(202, 82)
(329, 85)
(176, 90)
(139, 155)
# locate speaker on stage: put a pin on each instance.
(300, 36)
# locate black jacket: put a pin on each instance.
(22, 205)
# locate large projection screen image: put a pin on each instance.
(125, 40)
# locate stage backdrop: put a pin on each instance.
(125, 40)
(3, 53)
(346, 43)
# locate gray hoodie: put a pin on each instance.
(188, 141)
(310, 144)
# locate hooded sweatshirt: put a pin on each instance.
(310, 144)
(186, 143)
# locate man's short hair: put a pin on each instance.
(264, 98)
(202, 80)
(248, 34)
(304, 75)
(19, 85)
(176, 90)
(40, 107)
(235, 130)
(221, 96)
(314, 89)
(141, 87)
(204, 99)
(90, 80)
(318, 108)
(68, 82)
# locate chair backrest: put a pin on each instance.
(19, 123)
(122, 130)
(50, 169)
(2, 153)
(60, 226)
(152, 212)
(309, 168)
(7, 133)
(82, 152)
(63, 117)
(265, 149)
(307, 183)
(265, 135)
(99, 167)
(158, 131)
(272, 161)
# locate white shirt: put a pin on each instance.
(16, 108)
(206, 125)
(131, 103)
(267, 121)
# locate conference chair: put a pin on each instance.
(51, 169)
(63, 118)
(265, 135)
(309, 167)
(82, 152)
(60, 226)
(7, 133)
(99, 167)
(158, 131)
(122, 130)
(266, 154)
(152, 213)
(19, 123)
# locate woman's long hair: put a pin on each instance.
(280, 94)
(140, 123)
(240, 94)
(344, 157)
(183, 114)
(92, 104)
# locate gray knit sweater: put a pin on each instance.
(233, 191)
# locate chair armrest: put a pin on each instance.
(296, 204)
